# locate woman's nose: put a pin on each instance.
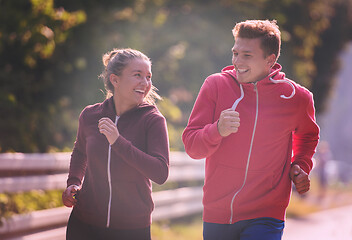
(144, 80)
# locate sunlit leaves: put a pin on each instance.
(170, 110)
(50, 23)
(50, 51)
(19, 203)
(161, 17)
(30, 32)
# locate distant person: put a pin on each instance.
(121, 145)
(246, 122)
(322, 156)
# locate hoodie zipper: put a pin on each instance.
(250, 151)
(109, 180)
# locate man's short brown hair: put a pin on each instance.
(267, 31)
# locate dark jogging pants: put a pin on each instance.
(253, 229)
(77, 230)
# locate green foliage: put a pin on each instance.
(19, 203)
(174, 117)
(30, 108)
(50, 55)
(333, 41)
(183, 229)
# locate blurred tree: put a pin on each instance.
(314, 33)
(327, 53)
(29, 33)
(314, 41)
(50, 55)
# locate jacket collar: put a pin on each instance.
(275, 74)
(109, 108)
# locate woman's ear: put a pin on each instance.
(114, 79)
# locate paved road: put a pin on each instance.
(326, 225)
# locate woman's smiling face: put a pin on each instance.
(134, 83)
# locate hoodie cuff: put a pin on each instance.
(121, 144)
(303, 165)
(213, 133)
(73, 181)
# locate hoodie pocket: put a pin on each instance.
(130, 200)
(222, 185)
(258, 185)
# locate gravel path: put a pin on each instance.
(325, 225)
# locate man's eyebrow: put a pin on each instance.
(244, 51)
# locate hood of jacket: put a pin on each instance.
(108, 107)
(275, 76)
(275, 72)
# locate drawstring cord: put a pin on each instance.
(234, 106)
(288, 82)
(238, 99)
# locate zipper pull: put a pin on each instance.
(255, 87)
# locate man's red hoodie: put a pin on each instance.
(247, 173)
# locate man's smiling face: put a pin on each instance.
(249, 60)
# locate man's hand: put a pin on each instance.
(300, 178)
(109, 129)
(228, 122)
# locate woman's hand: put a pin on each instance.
(68, 196)
(109, 129)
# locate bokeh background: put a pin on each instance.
(50, 60)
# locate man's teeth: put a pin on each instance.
(140, 91)
(242, 70)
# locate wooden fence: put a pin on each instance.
(24, 172)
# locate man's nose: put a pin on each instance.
(236, 59)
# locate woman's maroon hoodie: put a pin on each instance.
(116, 187)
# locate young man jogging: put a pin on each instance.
(257, 131)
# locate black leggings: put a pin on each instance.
(77, 230)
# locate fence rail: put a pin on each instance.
(50, 172)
